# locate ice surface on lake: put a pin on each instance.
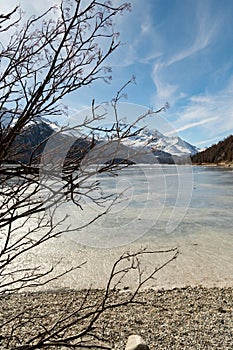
(198, 204)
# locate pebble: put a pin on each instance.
(191, 318)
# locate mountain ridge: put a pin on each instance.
(151, 139)
(31, 142)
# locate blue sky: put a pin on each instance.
(180, 51)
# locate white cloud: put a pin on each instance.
(30, 7)
(208, 141)
(139, 34)
(205, 33)
(165, 90)
(214, 112)
(200, 99)
(192, 125)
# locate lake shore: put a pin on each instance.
(204, 260)
(220, 165)
(188, 304)
(181, 318)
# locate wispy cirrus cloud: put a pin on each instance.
(141, 40)
(166, 71)
(207, 114)
(193, 74)
(192, 125)
(28, 6)
(180, 53)
(205, 30)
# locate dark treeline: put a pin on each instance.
(218, 153)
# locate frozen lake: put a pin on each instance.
(159, 202)
(162, 207)
(159, 207)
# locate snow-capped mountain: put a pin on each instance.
(175, 146)
(159, 147)
(150, 139)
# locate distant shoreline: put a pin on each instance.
(220, 165)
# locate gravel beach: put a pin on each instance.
(187, 305)
(181, 318)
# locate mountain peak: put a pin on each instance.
(149, 138)
(152, 140)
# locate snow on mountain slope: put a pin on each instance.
(175, 146)
(152, 139)
(145, 138)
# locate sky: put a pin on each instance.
(180, 52)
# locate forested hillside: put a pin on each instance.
(222, 152)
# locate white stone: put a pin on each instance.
(135, 342)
